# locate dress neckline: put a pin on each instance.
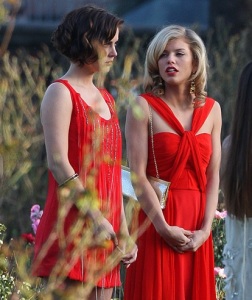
(175, 117)
(102, 92)
(199, 116)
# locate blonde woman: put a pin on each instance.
(175, 253)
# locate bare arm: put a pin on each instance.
(212, 188)
(126, 244)
(224, 155)
(56, 109)
(137, 152)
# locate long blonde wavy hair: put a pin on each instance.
(152, 81)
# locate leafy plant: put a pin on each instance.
(23, 169)
(219, 241)
(22, 158)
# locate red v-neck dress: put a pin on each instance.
(95, 150)
(159, 273)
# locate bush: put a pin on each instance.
(22, 156)
(24, 78)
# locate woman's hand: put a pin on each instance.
(197, 239)
(130, 256)
(127, 249)
(102, 229)
(176, 237)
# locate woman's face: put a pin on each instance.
(176, 62)
(106, 54)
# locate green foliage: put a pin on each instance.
(219, 240)
(7, 281)
(15, 259)
(3, 12)
(24, 78)
(22, 159)
(15, 262)
(227, 55)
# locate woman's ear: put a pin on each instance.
(194, 65)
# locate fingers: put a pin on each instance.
(105, 238)
(104, 231)
(110, 236)
(188, 233)
(130, 257)
(129, 260)
(177, 249)
(182, 241)
(114, 239)
(190, 246)
(183, 246)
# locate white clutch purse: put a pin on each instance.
(127, 187)
(160, 186)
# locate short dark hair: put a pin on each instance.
(79, 28)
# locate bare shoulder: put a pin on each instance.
(56, 92)
(56, 102)
(216, 108)
(216, 113)
(138, 110)
(141, 101)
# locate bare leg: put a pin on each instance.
(70, 290)
(101, 294)
(74, 290)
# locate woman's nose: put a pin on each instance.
(113, 52)
(170, 58)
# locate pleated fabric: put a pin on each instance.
(182, 158)
(95, 150)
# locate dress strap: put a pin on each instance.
(199, 115)
(66, 83)
(164, 111)
(188, 143)
(81, 119)
(69, 87)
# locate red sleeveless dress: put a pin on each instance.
(159, 273)
(95, 150)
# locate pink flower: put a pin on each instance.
(35, 216)
(220, 214)
(220, 272)
(35, 225)
(36, 213)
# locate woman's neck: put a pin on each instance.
(178, 98)
(81, 76)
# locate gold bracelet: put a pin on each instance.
(73, 177)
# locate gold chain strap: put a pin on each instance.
(152, 141)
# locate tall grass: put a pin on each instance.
(23, 81)
(24, 78)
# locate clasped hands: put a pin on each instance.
(181, 240)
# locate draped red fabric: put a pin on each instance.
(182, 158)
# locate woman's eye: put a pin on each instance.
(163, 55)
(180, 53)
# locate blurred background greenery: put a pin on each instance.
(25, 75)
